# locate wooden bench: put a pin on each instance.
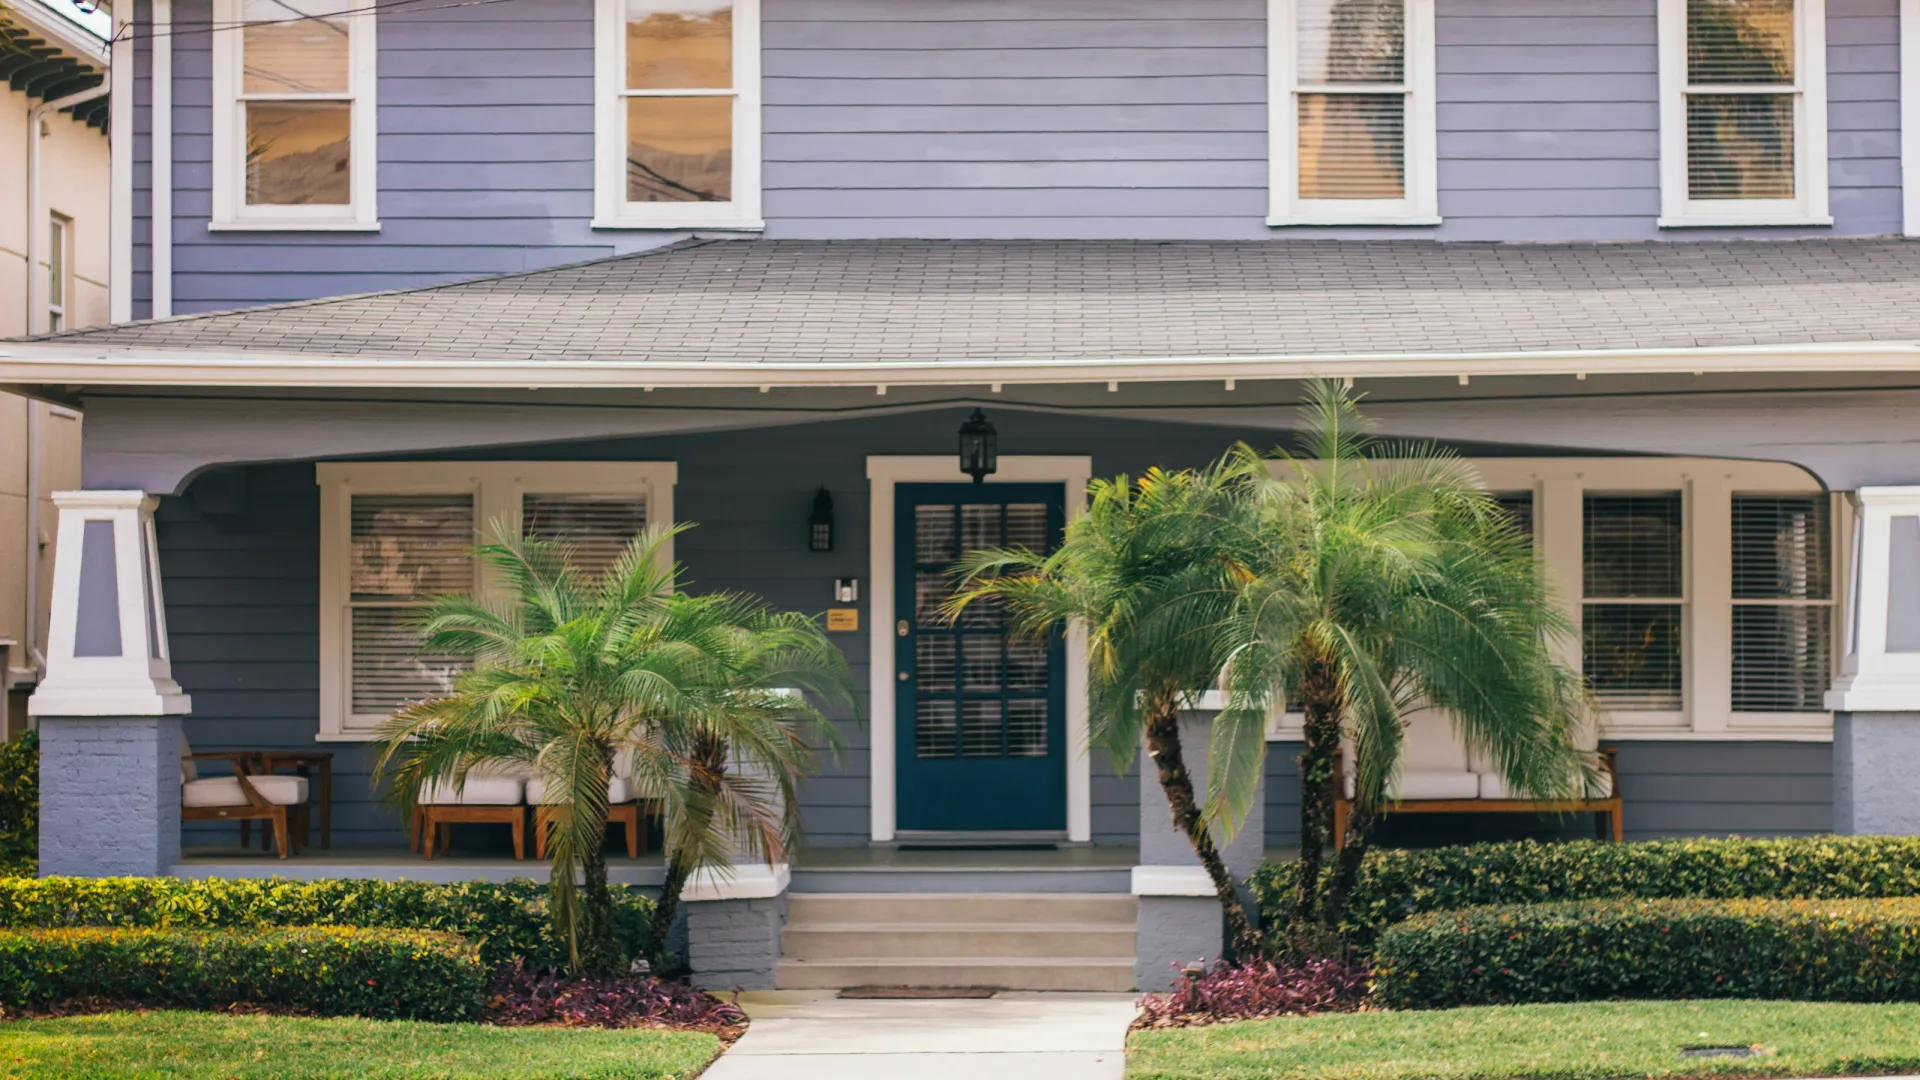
(1605, 811)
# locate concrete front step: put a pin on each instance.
(1011, 973)
(936, 909)
(893, 941)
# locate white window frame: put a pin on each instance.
(1809, 206)
(230, 208)
(59, 271)
(1559, 487)
(1421, 206)
(497, 487)
(611, 208)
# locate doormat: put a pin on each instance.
(979, 847)
(917, 993)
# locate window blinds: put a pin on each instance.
(1741, 99)
(1783, 603)
(405, 549)
(1351, 96)
(1633, 618)
(597, 529)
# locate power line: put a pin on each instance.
(179, 29)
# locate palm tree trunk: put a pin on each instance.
(601, 953)
(707, 765)
(1163, 745)
(658, 959)
(1346, 868)
(1320, 701)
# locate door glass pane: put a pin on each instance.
(1740, 146)
(931, 590)
(980, 729)
(980, 667)
(1739, 41)
(1027, 526)
(933, 662)
(1351, 41)
(284, 53)
(679, 149)
(933, 534)
(1353, 146)
(980, 527)
(679, 46)
(299, 153)
(1027, 728)
(933, 729)
(1026, 665)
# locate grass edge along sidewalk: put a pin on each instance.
(127, 1045)
(1605, 1040)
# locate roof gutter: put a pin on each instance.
(53, 364)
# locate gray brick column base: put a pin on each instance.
(1876, 757)
(109, 795)
(1173, 932)
(735, 943)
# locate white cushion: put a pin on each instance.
(1494, 786)
(617, 792)
(1422, 784)
(478, 791)
(225, 791)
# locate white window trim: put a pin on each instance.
(230, 209)
(1559, 486)
(497, 487)
(1910, 115)
(884, 473)
(1809, 127)
(1422, 203)
(611, 208)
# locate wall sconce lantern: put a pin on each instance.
(979, 447)
(820, 523)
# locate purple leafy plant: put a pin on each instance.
(1255, 990)
(519, 995)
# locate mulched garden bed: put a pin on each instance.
(1256, 990)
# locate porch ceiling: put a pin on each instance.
(728, 312)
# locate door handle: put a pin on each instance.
(900, 628)
(904, 676)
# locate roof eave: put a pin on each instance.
(51, 364)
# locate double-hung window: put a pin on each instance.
(1743, 112)
(1782, 603)
(293, 124)
(677, 116)
(395, 535)
(59, 272)
(1634, 587)
(1351, 112)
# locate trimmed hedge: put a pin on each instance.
(507, 922)
(385, 974)
(20, 804)
(1802, 950)
(1399, 884)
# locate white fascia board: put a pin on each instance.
(53, 363)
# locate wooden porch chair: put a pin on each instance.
(246, 796)
(1490, 796)
(489, 797)
(624, 810)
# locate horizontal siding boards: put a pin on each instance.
(999, 118)
(242, 599)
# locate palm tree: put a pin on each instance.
(573, 672)
(1149, 571)
(1385, 580)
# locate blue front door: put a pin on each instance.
(980, 714)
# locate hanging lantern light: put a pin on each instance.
(820, 523)
(979, 447)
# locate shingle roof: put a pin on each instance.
(928, 302)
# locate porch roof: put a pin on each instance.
(868, 306)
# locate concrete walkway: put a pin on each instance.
(812, 1035)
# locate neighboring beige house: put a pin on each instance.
(63, 235)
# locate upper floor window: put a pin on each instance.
(59, 270)
(1743, 112)
(1351, 112)
(677, 120)
(293, 129)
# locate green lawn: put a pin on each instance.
(1611, 1040)
(185, 1044)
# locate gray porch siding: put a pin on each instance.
(991, 118)
(242, 599)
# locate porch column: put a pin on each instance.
(1876, 698)
(1180, 920)
(108, 710)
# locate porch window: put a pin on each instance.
(1351, 112)
(1782, 603)
(677, 120)
(1635, 600)
(1743, 112)
(293, 125)
(393, 535)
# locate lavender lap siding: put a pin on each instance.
(995, 118)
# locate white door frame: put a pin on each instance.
(883, 473)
